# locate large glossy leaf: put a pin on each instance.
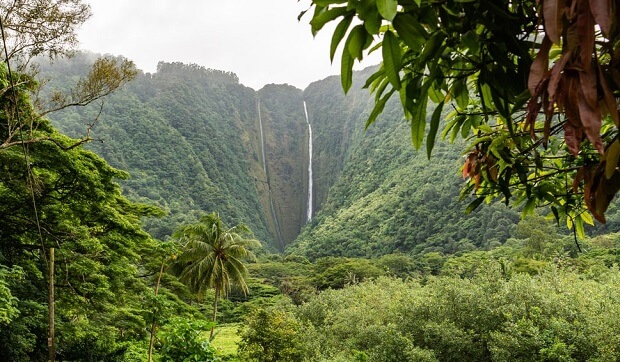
(418, 121)
(591, 120)
(432, 133)
(540, 65)
(339, 32)
(323, 18)
(355, 42)
(601, 10)
(474, 204)
(612, 159)
(378, 108)
(460, 92)
(431, 48)
(392, 58)
(553, 12)
(387, 8)
(346, 71)
(410, 31)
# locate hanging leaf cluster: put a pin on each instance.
(532, 84)
(577, 91)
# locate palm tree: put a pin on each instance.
(213, 257)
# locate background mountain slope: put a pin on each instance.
(191, 139)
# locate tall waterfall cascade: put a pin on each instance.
(309, 214)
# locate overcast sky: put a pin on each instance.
(261, 41)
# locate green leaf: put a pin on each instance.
(579, 229)
(556, 214)
(392, 58)
(410, 31)
(319, 20)
(372, 23)
(418, 121)
(432, 47)
(387, 9)
(355, 42)
(486, 96)
(339, 32)
(432, 133)
(460, 92)
(328, 2)
(435, 94)
(529, 207)
(472, 41)
(373, 77)
(378, 108)
(587, 218)
(346, 71)
(474, 205)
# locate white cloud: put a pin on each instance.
(261, 41)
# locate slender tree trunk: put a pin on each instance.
(50, 340)
(217, 296)
(154, 325)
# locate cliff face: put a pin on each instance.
(191, 139)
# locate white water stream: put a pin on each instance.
(309, 214)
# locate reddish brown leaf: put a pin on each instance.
(585, 30)
(570, 99)
(591, 120)
(572, 11)
(533, 108)
(571, 138)
(589, 193)
(553, 11)
(469, 168)
(578, 177)
(601, 10)
(603, 191)
(556, 73)
(539, 66)
(589, 86)
(608, 96)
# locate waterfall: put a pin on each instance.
(309, 163)
(262, 137)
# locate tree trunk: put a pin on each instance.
(50, 340)
(154, 325)
(217, 296)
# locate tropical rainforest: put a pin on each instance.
(182, 216)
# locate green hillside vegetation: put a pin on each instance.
(190, 138)
(534, 298)
(386, 196)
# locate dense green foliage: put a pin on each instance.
(55, 194)
(507, 304)
(185, 341)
